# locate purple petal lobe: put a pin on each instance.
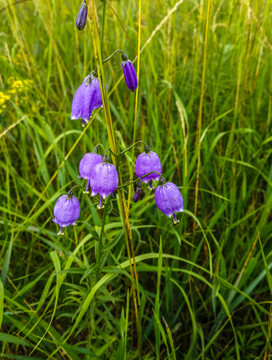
(77, 103)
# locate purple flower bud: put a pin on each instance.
(87, 164)
(66, 211)
(82, 16)
(86, 99)
(129, 73)
(146, 162)
(168, 198)
(104, 180)
(137, 193)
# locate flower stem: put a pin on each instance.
(137, 142)
(100, 71)
(75, 235)
(102, 27)
(137, 92)
(98, 252)
(111, 152)
(112, 141)
(96, 146)
(116, 51)
(134, 181)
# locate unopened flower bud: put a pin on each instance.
(129, 73)
(82, 16)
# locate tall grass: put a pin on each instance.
(204, 105)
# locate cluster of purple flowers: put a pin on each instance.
(102, 178)
(167, 195)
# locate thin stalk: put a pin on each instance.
(137, 91)
(101, 235)
(134, 181)
(75, 235)
(115, 52)
(137, 142)
(124, 212)
(108, 149)
(101, 76)
(124, 151)
(199, 120)
(102, 26)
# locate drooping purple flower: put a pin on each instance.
(168, 198)
(82, 16)
(104, 180)
(129, 73)
(86, 99)
(87, 164)
(66, 211)
(146, 162)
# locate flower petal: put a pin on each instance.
(77, 103)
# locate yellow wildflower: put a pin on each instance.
(17, 84)
(4, 96)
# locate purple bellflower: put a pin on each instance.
(82, 16)
(66, 211)
(87, 164)
(168, 198)
(129, 73)
(146, 162)
(104, 180)
(86, 99)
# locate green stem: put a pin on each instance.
(100, 236)
(111, 152)
(124, 151)
(141, 177)
(116, 51)
(102, 27)
(112, 141)
(101, 77)
(137, 142)
(70, 192)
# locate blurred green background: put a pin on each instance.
(204, 105)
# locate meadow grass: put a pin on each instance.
(200, 289)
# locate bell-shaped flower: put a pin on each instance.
(147, 162)
(168, 198)
(66, 211)
(129, 73)
(104, 180)
(87, 164)
(86, 99)
(82, 16)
